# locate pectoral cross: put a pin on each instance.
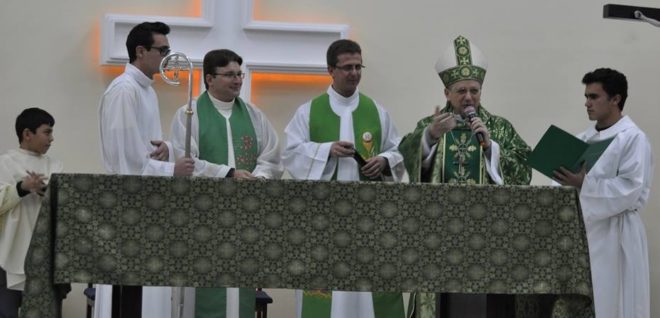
(618, 11)
(460, 163)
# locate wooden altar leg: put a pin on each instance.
(126, 301)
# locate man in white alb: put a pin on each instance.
(322, 139)
(612, 194)
(131, 143)
(230, 138)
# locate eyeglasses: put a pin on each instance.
(231, 75)
(163, 50)
(349, 67)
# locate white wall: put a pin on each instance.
(537, 50)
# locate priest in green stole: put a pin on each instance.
(444, 148)
(322, 138)
(230, 139)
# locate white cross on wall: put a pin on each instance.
(265, 46)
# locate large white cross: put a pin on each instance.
(265, 46)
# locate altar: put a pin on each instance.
(353, 236)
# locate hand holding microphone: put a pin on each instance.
(483, 137)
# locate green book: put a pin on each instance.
(558, 148)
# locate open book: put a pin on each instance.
(557, 148)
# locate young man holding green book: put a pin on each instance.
(612, 193)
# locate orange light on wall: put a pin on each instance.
(111, 71)
(194, 9)
(260, 79)
(190, 8)
(320, 78)
(197, 73)
(263, 12)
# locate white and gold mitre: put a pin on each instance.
(461, 61)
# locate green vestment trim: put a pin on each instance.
(462, 161)
(316, 304)
(213, 147)
(388, 305)
(213, 134)
(324, 126)
(212, 302)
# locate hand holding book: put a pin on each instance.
(558, 148)
(567, 178)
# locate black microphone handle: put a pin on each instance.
(480, 139)
(480, 136)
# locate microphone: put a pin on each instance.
(470, 113)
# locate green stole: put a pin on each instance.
(213, 134)
(324, 126)
(213, 147)
(459, 158)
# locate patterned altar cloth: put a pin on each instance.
(367, 236)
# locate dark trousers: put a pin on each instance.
(475, 306)
(126, 301)
(10, 300)
(494, 305)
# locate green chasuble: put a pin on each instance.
(324, 126)
(213, 147)
(459, 159)
(513, 152)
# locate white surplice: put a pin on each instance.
(269, 164)
(129, 120)
(612, 196)
(309, 160)
(18, 215)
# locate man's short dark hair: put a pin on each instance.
(340, 47)
(219, 58)
(32, 118)
(613, 82)
(143, 35)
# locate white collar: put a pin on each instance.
(341, 100)
(221, 105)
(622, 124)
(138, 75)
(28, 152)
